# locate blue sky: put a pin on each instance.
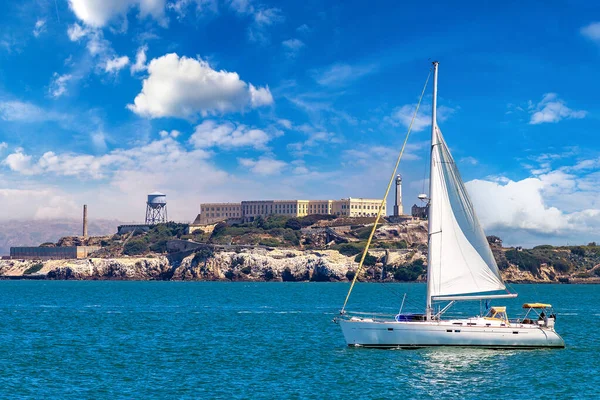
(104, 101)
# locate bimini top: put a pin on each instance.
(536, 305)
(498, 309)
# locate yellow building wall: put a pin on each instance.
(351, 207)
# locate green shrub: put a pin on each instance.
(33, 269)
(292, 236)
(219, 230)
(391, 245)
(135, 247)
(270, 242)
(578, 251)
(410, 272)
(363, 233)
(314, 218)
(525, 260)
(293, 223)
(349, 249)
(350, 275)
(202, 255)
(370, 260)
(597, 272)
(160, 246)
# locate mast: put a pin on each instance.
(430, 208)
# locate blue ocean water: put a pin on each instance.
(267, 340)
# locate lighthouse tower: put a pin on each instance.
(398, 211)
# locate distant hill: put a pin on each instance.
(36, 232)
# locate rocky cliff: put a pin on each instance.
(247, 265)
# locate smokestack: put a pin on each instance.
(85, 222)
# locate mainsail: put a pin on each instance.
(460, 256)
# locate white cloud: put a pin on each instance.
(292, 46)
(551, 109)
(186, 87)
(286, 123)
(263, 165)
(515, 205)
(304, 29)
(592, 31)
(76, 32)
(98, 13)
(227, 135)
(140, 60)
(98, 139)
(20, 111)
(58, 86)
(116, 64)
(260, 96)
(315, 137)
(555, 206)
(19, 162)
(41, 203)
(40, 27)
(114, 184)
(180, 7)
(262, 18)
(403, 116)
(469, 160)
(341, 74)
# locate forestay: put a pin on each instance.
(461, 259)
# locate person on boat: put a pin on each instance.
(542, 316)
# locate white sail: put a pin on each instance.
(460, 256)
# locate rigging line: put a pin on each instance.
(387, 191)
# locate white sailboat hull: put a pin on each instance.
(366, 332)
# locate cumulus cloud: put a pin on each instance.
(551, 109)
(140, 60)
(58, 85)
(556, 206)
(98, 13)
(186, 87)
(515, 205)
(592, 31)
(260, 96)
(19, 162)
(40, 27)
(227, 135)
(116, 64)
(114, 184)
(263, 165)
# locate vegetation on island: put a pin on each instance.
(405, 242)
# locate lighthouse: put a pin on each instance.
(398, 211)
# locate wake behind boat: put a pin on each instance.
(460, 267)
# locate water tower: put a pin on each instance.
(156, 208)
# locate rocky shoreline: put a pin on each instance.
(251, 265)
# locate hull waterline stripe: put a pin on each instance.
(484, 346)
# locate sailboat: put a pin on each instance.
(460, 267)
